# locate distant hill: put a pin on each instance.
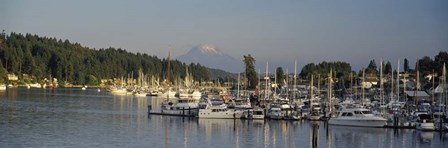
(212, 57)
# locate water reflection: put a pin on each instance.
(71, 117)
(314, 130)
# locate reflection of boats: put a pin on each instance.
(356, 116)
(425, 136)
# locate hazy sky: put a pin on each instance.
(280, 32)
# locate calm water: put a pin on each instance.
(76, 118)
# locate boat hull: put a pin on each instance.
(220, 115)
(425, 126)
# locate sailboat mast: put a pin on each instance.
(311, 87)
(266, 78)
(362, 85)
(398, 80)
(433, 89)
(417, 85)
(238, 93)
(287, 81)
(275, 81)
(295, 73)
(330, 90)
(381, 82)
(169, 67)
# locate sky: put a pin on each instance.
(278, 32)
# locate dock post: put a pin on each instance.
(183, 111)
(149, 109)
(189, 111)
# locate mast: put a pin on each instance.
(169, 67)
(433, 89)
(330, 89)
(444, 85)
(295, 73)
(318, 85)
(392, 86)
(266, 78)
(398, 80)
(238, 93)
(275, 81)
(381, 83)
(417, 85)
(311, 88)
(362, 85)
(287, 81)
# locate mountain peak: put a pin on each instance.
(210, 56)
(207, 49)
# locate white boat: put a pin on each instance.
(154, 93)
(242, 103)
(275, 112)
(182, 106)
(256, 114)
(314, 115)
(423, 121)
(356, 116)
(2, 87)
(118, 91)
(35, 85)
(219, 112)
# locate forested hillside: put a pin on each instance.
(43, 57)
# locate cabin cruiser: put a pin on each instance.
(357, 116)
(256, 113)
(422, 118)
(314, 114)
(424, 122)
(182, 106)
(218, 111)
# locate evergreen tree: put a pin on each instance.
(388, 68)
(280, 75)
(406, 65)
(251, 75)
(372, 68)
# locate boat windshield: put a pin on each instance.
(366, 112)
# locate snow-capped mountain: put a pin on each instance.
(210, 56)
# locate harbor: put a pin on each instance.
(58, 117)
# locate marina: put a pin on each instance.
(55, 118)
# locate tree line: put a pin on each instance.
(43, 57)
